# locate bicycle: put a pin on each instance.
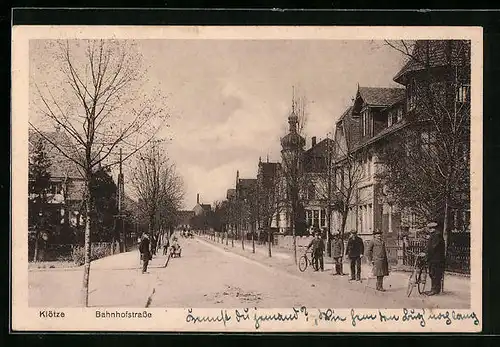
(305, 260)
(418, 276)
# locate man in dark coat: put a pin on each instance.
(145, 252)
(377, 255)
(337, 246)
(318, 247)
(435, 258)
(354, 251)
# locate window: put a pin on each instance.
(463, 93)
(399, 114)
(311, 192)
(309, 217)
(428, 138)
(390, 117)
(360, 218)
(315, 218)
(323, 218)
(366, 122)
(55, 188)
(412, 94)
(369, 166)
(389, 227)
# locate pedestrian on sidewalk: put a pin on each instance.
(435, 258)
(377, 255)
(145, 252)
(318, 247)
(337, 246)
(354, 251)
(154, 240)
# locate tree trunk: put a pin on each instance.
(86, 269)
(270, 240)
(37, 236)
(293, 235)
(328, 223)
(445, 236)
(242, 237)
(342, 230)
(253, 241)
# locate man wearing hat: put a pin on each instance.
(354, 251)
(435, 258)
(318, 247)
(144, 249)
(377, 255)
(337, 245)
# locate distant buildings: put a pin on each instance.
(307, 183)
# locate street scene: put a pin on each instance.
(249, 173)
(210, 274)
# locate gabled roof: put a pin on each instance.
(206, 207)
(60, 165)
(346, 113)
(321, 148)
(246, 182)
(375, 96)
(184, 217)
(435, 53)
(268, 169)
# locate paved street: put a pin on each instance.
(210, 274)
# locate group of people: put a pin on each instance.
(147, 248)
(376, 254)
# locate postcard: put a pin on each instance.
(246, 179)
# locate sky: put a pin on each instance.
(229, 99)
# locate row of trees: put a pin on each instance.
(424, 167)
(160, 190)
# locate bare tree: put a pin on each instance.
(428, 166)
(292, 166)
(159, 188)
(270, 203)
(93, 92)
(348, 174)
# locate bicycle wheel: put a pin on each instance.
(303, 263)
(314, 265)
(411, 283)
(422, 279)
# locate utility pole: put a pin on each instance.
(121, 221)
(329, 196)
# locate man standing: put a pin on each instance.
(145, 252)
(337, 246)
(318, 247)
(377, 255)
(435, 258)
(354, 250)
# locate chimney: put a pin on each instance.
(198, 199)
(313, 143)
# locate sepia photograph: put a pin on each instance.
(216, 177)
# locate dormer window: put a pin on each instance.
(366, 122)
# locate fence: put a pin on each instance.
(457, 255)
(66, 252)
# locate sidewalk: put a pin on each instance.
(116, 280)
